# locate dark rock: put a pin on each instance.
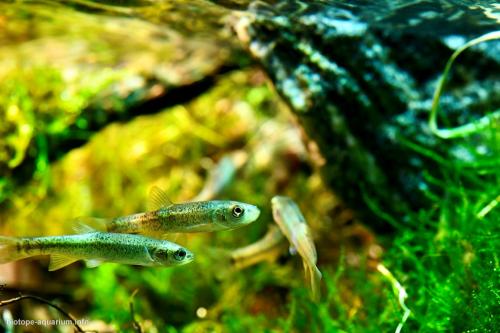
(360, 78)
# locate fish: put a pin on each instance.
(267, 248)
(221, 175)
(225, 262)
(166, 217)
(292, 223)
(95, 247)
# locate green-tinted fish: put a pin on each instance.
(292, 223)
(166, 217)
(95, 247)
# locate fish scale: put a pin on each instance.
(108, 247)
(200, 216)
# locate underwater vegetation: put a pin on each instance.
(327, 164)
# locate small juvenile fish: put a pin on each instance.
(221, 175)
(268, 248)
(166, 217)
(95, 247)
(292, 223)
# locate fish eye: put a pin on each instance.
(237, 211)
(180, 254)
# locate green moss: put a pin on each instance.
(63, 81)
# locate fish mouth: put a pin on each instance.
(189, 258)
(253, 213)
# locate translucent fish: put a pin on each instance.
(268, 248)
(221, 175)
(292, 223)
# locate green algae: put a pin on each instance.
(82, 77)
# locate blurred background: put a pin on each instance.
(101, 102)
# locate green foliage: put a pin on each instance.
(448, 257)
(110, 296)
(475, 126)
(39, 100)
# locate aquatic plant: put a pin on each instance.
(474, 126)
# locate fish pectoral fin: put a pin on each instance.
(58, 261)
(292, 250)
(171, 237)
(149, 259)
(158, 199)
(92, 263)
(87, 224)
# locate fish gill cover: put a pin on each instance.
(325, 102)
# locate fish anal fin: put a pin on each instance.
(58, 261)
(87, 224)
(158, 199)
(307, 271)
(317, 272)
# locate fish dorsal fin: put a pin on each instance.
(58, 261)
(158, 199)
(86, 225)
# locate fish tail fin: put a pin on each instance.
(307, 273)
(87, 224)
(10, 249)
(315, 276)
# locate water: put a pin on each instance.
(326, 102)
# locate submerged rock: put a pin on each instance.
(360, 79)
